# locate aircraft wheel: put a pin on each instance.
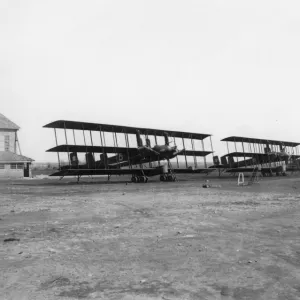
(173, 178)
(162, 178)
(169, 177)
(135, 179)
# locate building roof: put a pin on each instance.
(7, 124)
(10, 157)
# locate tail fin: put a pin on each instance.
(90, 160)
(103, 159)
(231, 161)
(216, 160)
(224, 160)
(74, 159)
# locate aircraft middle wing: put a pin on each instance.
(194, 152)
(94, 149)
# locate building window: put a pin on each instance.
(6, 142)
(17, 166)
(2, 166)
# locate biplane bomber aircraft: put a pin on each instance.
(268, 156)
(109, 157)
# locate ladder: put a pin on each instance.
(254, 176)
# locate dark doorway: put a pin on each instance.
(26, 170)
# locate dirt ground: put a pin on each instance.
(99, 240)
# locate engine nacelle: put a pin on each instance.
(166, 138)
(138, 139)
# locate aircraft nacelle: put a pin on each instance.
(138, 139)
(166, 139)
(148, 143)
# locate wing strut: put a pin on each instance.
(93, 146)
(56, 146)
(186, 164)
(204, 158)
(127, 146)
(193, 147)
(176, 155)
(67, 144)
(155, 137)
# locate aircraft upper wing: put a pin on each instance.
(258, 141)
(64, 124)
(94, 149)
(252, 154)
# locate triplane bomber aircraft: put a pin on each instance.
(255, 154)
(141, 161)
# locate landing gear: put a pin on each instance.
(167, 177)
(138, 179)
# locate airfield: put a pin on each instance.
(167, 241)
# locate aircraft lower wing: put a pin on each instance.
(250, 170)
(194, 171)
(127, 171)
(88, 172)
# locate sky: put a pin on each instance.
(219, 67)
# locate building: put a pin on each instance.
(12, 162)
